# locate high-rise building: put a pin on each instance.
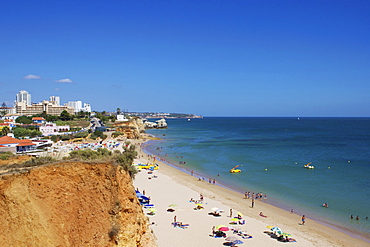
(23, 96)
(77, 105)
(55, 100)
(87, 107)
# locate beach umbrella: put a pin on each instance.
(240, 214)
(172, 205)
(231, 239)
(286, 234)
(224, 229)
(214, 209)
(276, 230)
(269, 227)
(152, 209)
(234, 219)
(219, 226)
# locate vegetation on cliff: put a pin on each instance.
(124, 159)
(6, 155)
(101, 155)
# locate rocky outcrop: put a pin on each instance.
(131, 129)
(72, 204)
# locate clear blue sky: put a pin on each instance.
(212, 58)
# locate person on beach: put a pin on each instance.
(303, 219)
(351, 216)
(291, 211)
(252, 202)
(357, 218)
(174, 219)
(231, 213)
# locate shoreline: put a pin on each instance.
(352, 233)
(279, 216)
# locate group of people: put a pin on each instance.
(357, 217)
(248, 195)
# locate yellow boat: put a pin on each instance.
(234, 170)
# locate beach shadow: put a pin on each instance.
(214, 214)
(271, 234)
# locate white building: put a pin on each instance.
(77, 105)
(23, 96)
(121, 117)
(87, 107)
(52, 129)
(55, 100)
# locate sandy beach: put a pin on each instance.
(172, 186)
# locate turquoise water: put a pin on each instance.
(272, 152)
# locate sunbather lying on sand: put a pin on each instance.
(262, 215)
(180, 225)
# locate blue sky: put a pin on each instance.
(212, 58)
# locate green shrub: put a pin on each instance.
(116, 134)
(39, 161)
(6, 155)
(87, 154)
(54, 138)
(65, 137)
(81, 134)
(98, 134)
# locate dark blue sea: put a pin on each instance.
(272, 153)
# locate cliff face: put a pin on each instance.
(131, 129)
(72, 204)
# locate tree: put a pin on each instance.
(22, 132)
(51, 118)
(81, 114)
(5, 131)
(54, 138)
(24, 119)
(118, 111)
(65, 116)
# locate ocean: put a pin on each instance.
(271, 153)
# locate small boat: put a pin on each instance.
(234, 170)
(309, 166)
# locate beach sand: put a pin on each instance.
(172, 186)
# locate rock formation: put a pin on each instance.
(72, 204)
(131, 129)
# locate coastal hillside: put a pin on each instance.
(131, 129)
(72, 204)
